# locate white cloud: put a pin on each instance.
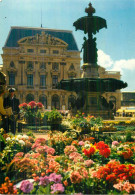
(104, 60)
(120, 65)
(123, 65)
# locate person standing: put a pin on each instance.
(13, 102)
(3, 112)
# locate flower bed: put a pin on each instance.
(63, 164)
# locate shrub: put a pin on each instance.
(54, 117)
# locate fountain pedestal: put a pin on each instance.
(90, 70)
(94, 107)
(93, 104)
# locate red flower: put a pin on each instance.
(101, 145)
(89, 152)
(111, 178)
(39, 105)
(23, 105)
(105, 152)
(32, 104)
(127, 154)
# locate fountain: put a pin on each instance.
(90, 87)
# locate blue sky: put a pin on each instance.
(116, 44)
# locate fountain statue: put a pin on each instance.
(90, 87)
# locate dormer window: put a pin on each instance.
(55, 51)
(42, 51)
(30, 50)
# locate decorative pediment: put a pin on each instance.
(12, 69)
(42, 72)
(71, 68)
(43, 39)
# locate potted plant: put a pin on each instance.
(31, 112)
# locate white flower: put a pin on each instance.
(19, 136)
(14, 138)
(87, 142)
(25, 137)
(21, 142)
(87, 146)
(8, 139)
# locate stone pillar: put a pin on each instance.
(49, 96)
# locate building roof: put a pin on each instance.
(16, 33)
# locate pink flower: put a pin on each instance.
(28, 155)
(55, 178)
(19, 154)
(81, 143)
(76, 177)
(75, 156)
(50, 151)
(44, 181)
(69, 149)
(35, 155)
(88, 163)
(125, 186)
(35, 145)
(57, 188)
(26, 186)
(42, 149)
(115, 143)
(40, 141)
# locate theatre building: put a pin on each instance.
(36, 59)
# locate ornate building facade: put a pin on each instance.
(36, 59)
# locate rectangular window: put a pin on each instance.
(30, 79)
(30, 50)
(42, 80)
(55, 51)
(42, 51)
(11, 78)
(54, 80)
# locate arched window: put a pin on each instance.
(12, 64)
(71, 101)
(55, 102)
(11, 78)
(43, 100)
(29, 98)
(30, 65)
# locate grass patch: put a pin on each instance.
(39, 127)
